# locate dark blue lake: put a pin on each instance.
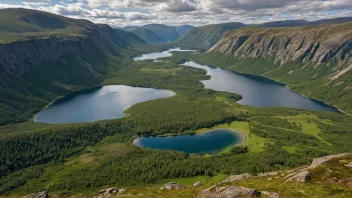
(256, 90)
(101, 103)
(210, 142)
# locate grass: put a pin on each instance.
(308, 125)
(172, 71)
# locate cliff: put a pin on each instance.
(316, 44)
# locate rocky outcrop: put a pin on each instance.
(198, 183)
(237, 177)
(229, 192)
(42, 194)
(316, 44)
(171, 185)
(321, 160)
(300, 177)
(110, 192)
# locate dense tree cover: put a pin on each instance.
(32, 149)
(37, 160)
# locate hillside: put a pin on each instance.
(206, 36)
(313, 60)
(44, 56)
(147, 35)
(158, 33)
(295, 23)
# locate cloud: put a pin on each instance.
(195, 12)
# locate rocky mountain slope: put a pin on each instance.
(295, 23)
(43, 56)
(313, 60)
(206, 36)
(324, 174)
(158, 33)
(147, 35)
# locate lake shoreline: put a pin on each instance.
(242, 138)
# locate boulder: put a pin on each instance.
(270, 194)
(237, 177)
(198, 183)
(109, 192)
(171, 185)
(349, 165)
(301, 177)
(42, 194)
(230, 192)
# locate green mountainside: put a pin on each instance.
(45, 56)
(313, 60)
(147, 35)
(158, 33)
(206, 36)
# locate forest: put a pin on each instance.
(89, 156)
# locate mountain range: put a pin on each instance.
(158, 33)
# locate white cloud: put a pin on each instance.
(196, 12)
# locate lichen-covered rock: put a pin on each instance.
(237, 177)
(230, 192)
(42, 194)
(198, 183)
(301, 177)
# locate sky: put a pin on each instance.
(118, 13)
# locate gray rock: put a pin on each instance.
(42, 194)
(230, 192)
(303, 176)
(349, 165)
(270, 194)
(198, 183)
(237, 177)
(171, 185)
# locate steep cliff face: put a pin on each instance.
(313, 60)
(316, 44)
(18, 57)
(44, 56)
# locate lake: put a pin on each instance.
(101, 103)
(164, 54)
(256, 90)
(209, 142)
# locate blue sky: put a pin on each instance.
(195, 12)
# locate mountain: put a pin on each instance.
(313, 60)
(166, 33)
(44, 56)
(147, 35)
(183, 29)
(158, 33)
(206, 36)
(294, 23)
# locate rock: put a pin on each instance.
(230, 192)
(321, 160)
(171, 185)
(237, 177)
(267, 174)
(42, 194)
(349, 165)
(270, 194)
(198, 183)
(303, 176)
(109, 192)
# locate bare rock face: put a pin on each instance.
(43, 194)
(318, 44)
(321, 160)
(301, 177)
(230, 192)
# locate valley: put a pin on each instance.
(135, 115)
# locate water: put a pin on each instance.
(102, 103)
(203, 143)
(256, 91)
(156, 55)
